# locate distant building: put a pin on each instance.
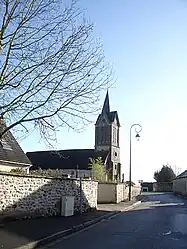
(11, 154)
(180, 184)
(75, 162)
(147, 186)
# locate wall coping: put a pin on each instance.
(114, 183)
(163, 182)
(43, 177)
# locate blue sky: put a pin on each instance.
(146, 42)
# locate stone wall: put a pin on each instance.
(121, 192)
(42, 195)
(115, 192)
(162, 187)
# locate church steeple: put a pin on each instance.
(106, 106)
(107, 139)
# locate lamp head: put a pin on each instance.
(137, 137)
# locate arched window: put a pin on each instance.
(118, 137)
(114, 137)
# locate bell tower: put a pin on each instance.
(107, 137)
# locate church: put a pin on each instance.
(75, 162)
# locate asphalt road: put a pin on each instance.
(158, 223)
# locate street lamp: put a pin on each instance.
(138, 129)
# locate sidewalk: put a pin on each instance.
(31, 232)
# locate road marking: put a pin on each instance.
(168, 233)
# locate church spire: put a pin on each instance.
(106, 106)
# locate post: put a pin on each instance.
(137, 136)
(130, 169)
(80, 181)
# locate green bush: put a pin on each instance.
(99, 172)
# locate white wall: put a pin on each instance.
(106, 193)
(8, 168)
(115, 193)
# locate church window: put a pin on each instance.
(98, 135)
(114, 140)
(107, 134)
(117, 136)
(102, 134)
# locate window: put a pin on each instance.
(114, 140)
(118, 137)
(102, 134)
(5, 144)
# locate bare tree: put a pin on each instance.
(51, 69)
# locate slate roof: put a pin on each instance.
(64, 159)
(182, 175)
(112, 116)
(106, 111)
(11, 152)
(106, 105)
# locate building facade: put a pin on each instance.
(77, 160)
(180, 184)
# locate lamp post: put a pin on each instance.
(138, 129)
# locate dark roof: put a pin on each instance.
(64, 159)
(106, 106)
(112, 116)
(10, 151)
(107, 113)
(182, 175)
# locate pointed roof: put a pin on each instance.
(114, 115)
(111, 116)
(182, 175)
(106, 106)
(11, 152)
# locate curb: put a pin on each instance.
(61, 234)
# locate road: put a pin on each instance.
(158, 223)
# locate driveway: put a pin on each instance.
(160, 222)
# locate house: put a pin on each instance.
(76, 161)
(180, 184)
(147, 186)
(11, 154)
